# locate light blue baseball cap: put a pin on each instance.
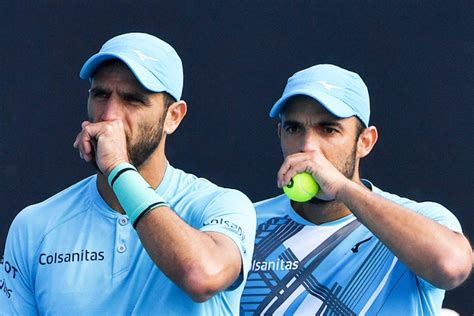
(155, 64)
(343, 93)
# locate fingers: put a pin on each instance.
(293, 164)
(103, 142)
(85, 123)
(326, 174)
(83, 143)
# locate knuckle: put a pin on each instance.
(117, 123)
(108, 128)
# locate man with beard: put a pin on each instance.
(353, 249)
(140, 237)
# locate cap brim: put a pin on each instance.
(330, 103)
(145, 77)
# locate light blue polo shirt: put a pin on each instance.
(73, 254)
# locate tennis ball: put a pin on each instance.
(301, 188)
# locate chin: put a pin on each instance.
(318, 201)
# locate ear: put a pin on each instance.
(174, 116)
(366, 141)
(279, 130)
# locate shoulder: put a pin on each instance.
(44, 216)
(197, 199)
(188, 184)
(277, 201)
(278, 206)
(433, 210)
(35, 223)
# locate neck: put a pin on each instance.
(320, 212)
(152, 170)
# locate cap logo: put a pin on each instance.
(328, 86)
(142, 56)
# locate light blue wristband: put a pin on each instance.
(135, 195)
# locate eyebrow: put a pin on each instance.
(291, 122)
(97, 89)
(333, 123)
(134, 95)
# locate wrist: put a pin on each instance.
(114, 165)
(349, 191)
(114, 173)
(135, 195)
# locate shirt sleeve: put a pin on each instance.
(17, 294)
(233, 215)
(433, 210)
(440, 214)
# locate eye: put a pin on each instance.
(96, 93)
(131, 99)
(134, 99)
(291, 129)
(329, 130)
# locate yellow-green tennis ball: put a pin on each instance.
(301, 188)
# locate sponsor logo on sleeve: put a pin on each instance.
(8, 267)
(227, 224)
(11, 270)
(4, 288)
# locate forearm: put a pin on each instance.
(189, 257)
(429, 249)
(194, 260)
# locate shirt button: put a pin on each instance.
(121, 248)
(123, 221)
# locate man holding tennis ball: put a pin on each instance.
(336, 244)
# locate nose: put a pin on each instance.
(309, 141)
(111, 110)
